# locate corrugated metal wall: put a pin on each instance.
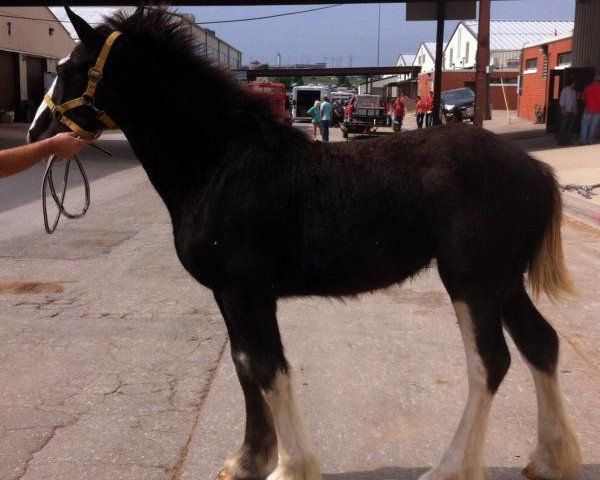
(502, 59)
(586, 37)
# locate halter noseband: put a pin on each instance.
(87, 99)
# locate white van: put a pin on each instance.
(303, 98)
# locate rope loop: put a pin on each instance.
(48, 184)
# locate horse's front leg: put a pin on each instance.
(276, 443)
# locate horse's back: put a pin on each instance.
(381, 210)
(339, 219)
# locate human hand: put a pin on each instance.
(66, 144)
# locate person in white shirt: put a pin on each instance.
(568, 111)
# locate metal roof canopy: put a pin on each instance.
(190, 3)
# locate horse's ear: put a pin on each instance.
(85, 32)
(140, 9)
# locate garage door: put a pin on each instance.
(8, 81)
(35, 79)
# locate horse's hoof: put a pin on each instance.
(527, 472)
(530, 473)
(225, 474)
(535, 471)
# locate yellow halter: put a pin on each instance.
(87, 99)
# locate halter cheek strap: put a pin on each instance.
(87, 99)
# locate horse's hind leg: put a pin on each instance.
(556, 456)
(276, 443)
(488, 360)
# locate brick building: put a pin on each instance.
(537, 60)
(507, 38)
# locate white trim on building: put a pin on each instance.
(425, 57)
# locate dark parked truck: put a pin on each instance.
(304, 97)
(458, 105)
(364, 115)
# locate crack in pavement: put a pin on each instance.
(52, 434)
(178, 468)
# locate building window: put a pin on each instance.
(9, 28)
(530, 65)
(451, 59)
(513, 63)
(564, 59)
(467, 45)
(50, 31)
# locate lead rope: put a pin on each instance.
(48, 183)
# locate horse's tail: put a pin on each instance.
(547, 269)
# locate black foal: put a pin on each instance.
(260, 212)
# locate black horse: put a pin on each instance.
(260, 212)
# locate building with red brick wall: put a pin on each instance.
(537, 60)
(502, 83)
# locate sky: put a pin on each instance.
(347, 34)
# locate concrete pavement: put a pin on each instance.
(107, 347)
(114, 363)
(578, 165)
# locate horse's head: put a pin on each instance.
(78, 97)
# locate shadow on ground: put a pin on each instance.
(587, 472)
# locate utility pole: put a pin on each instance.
(482, 62)
(439, 58)
(378, 30)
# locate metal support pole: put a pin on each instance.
(482, 62)
(378, 30)
(439, 54)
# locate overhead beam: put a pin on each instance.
(253, 73)
(191, 3)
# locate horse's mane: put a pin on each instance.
(169, 36)
(160, 29)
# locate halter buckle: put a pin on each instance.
(56, 113)
(94, 74)
(87, 100)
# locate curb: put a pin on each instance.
(581, 210)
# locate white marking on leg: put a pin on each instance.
(40, 110)
(296, 454)
(557, 455)
(462, 459)
(242, 361)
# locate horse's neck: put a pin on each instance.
(175, 166)
(177, 139)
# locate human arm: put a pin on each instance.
(15, 160)
(562, 100)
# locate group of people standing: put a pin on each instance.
(320, 114)
(424, 111)
(569, 106)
